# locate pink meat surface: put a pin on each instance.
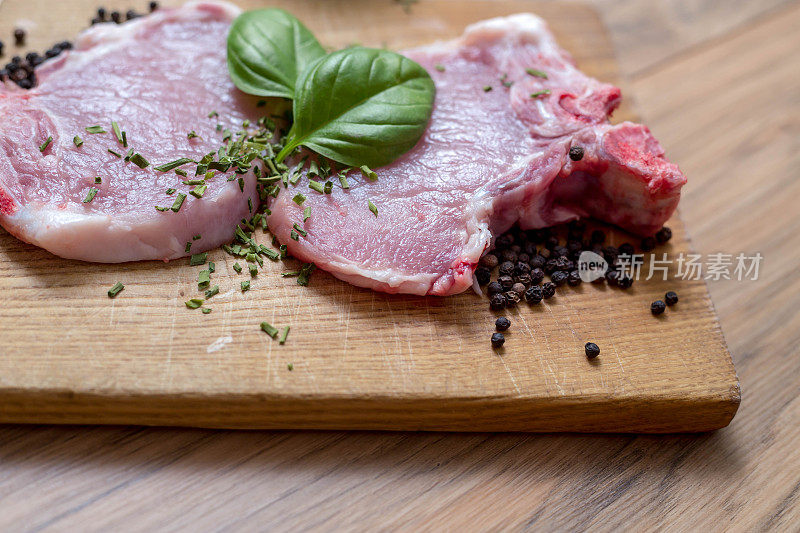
(159, 77)
(487, 160)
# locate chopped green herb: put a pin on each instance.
(245, 286)
(95, 129)
(294, 236)
(238, 268)
(162, 209)
(171, 191)
(128, 155)
(203, 278)
(198, 259)
(241, 184)
(124, 139)
(369, 173)
(290, 366)
(537, 94)
(487, 88)
(194, 303)
(269, 330)
(116, 130)
(440, 68)
(213, 291)
(508, 83)
(77, 141)
(343, 180)
(112, 152)
(305, 274)
(282, 339)
(46, 143)
(98, 179)
(90, 195)
(196, 237)
(113, 291)
(176, 205)
(198, 191)
(317, 186)
(299, 199)
(290, 274)
(205, 310)
(172, 165)
(139, 161)
(181, 172)
(192, 135)
(300, 230)
(372, 207)
(253, 269)
(328, 187)
(211, 266)
(306, 213)
(213, 114)
(536, 73)
(188, 247)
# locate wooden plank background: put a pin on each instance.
(724, 104)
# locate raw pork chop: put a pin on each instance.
(159, 77)
(489, 158)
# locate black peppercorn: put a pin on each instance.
(612, 277)
(564, 263)
(534, 295)
(509, 255)
(3, 74)
(624, 282)
(497, 301)
(525, 279)
(626, 249)
(19, 37)
(522, 268)
(574, 246)
(95, 20)
(26, 83)
(576, 153)
(506, 268)
(504, 241)
(647, 244)
(548, 290)
(598, 237)
(53, 52)
(516, 248)
(574, 278)
(599, 279)
(153, 6)
(116, 17)
(671, 298)
(658, 307)
(560, 251)
(551, 242)
(519, 288)
(512, 298)
(537, 275)
(131, 14)
(592, 350)
(529, 248)
(502, 323)
(494, 288)
(489, 261)
(498, 339)
(537, 261)
(482, 275)
(524, 258)
(506, 282)
(663, 235)
(2, 45)
(559, 277)
(550, 266)
(64, 45)
(610, 253)
(101, 13)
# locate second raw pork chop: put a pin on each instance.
(509, 106)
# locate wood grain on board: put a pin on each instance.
(361, 360)
(742, 478)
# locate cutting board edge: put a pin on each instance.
(613, 414)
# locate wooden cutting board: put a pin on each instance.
(69, 354)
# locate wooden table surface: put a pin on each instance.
(718, 85)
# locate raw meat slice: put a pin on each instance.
(489, 158)
(159, 77)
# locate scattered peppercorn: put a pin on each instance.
(102, 13)
(2, 45)
(624, 282)
(512, 298)
(502, 323)
(548, 290)
(483, 275)
(116, 17)
(506, 282)
(497, 301)
(494, 287)
(519, 288)
(671, 298)
(663, 235)
(534, 295)
(612, 277)
(153, 6)
(537, 261)
(537, 275)
(648, 244)
(131, 14)
(576, 153)
(498, 339)
(592, 350)
(522, 268)
(19, 37)
(559, 277)
(574, 278)
(509, 255)
(658, 307)
(489, 261)
(506, 268)
(525, 279)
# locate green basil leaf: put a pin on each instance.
(267, 50)
(361, 106)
